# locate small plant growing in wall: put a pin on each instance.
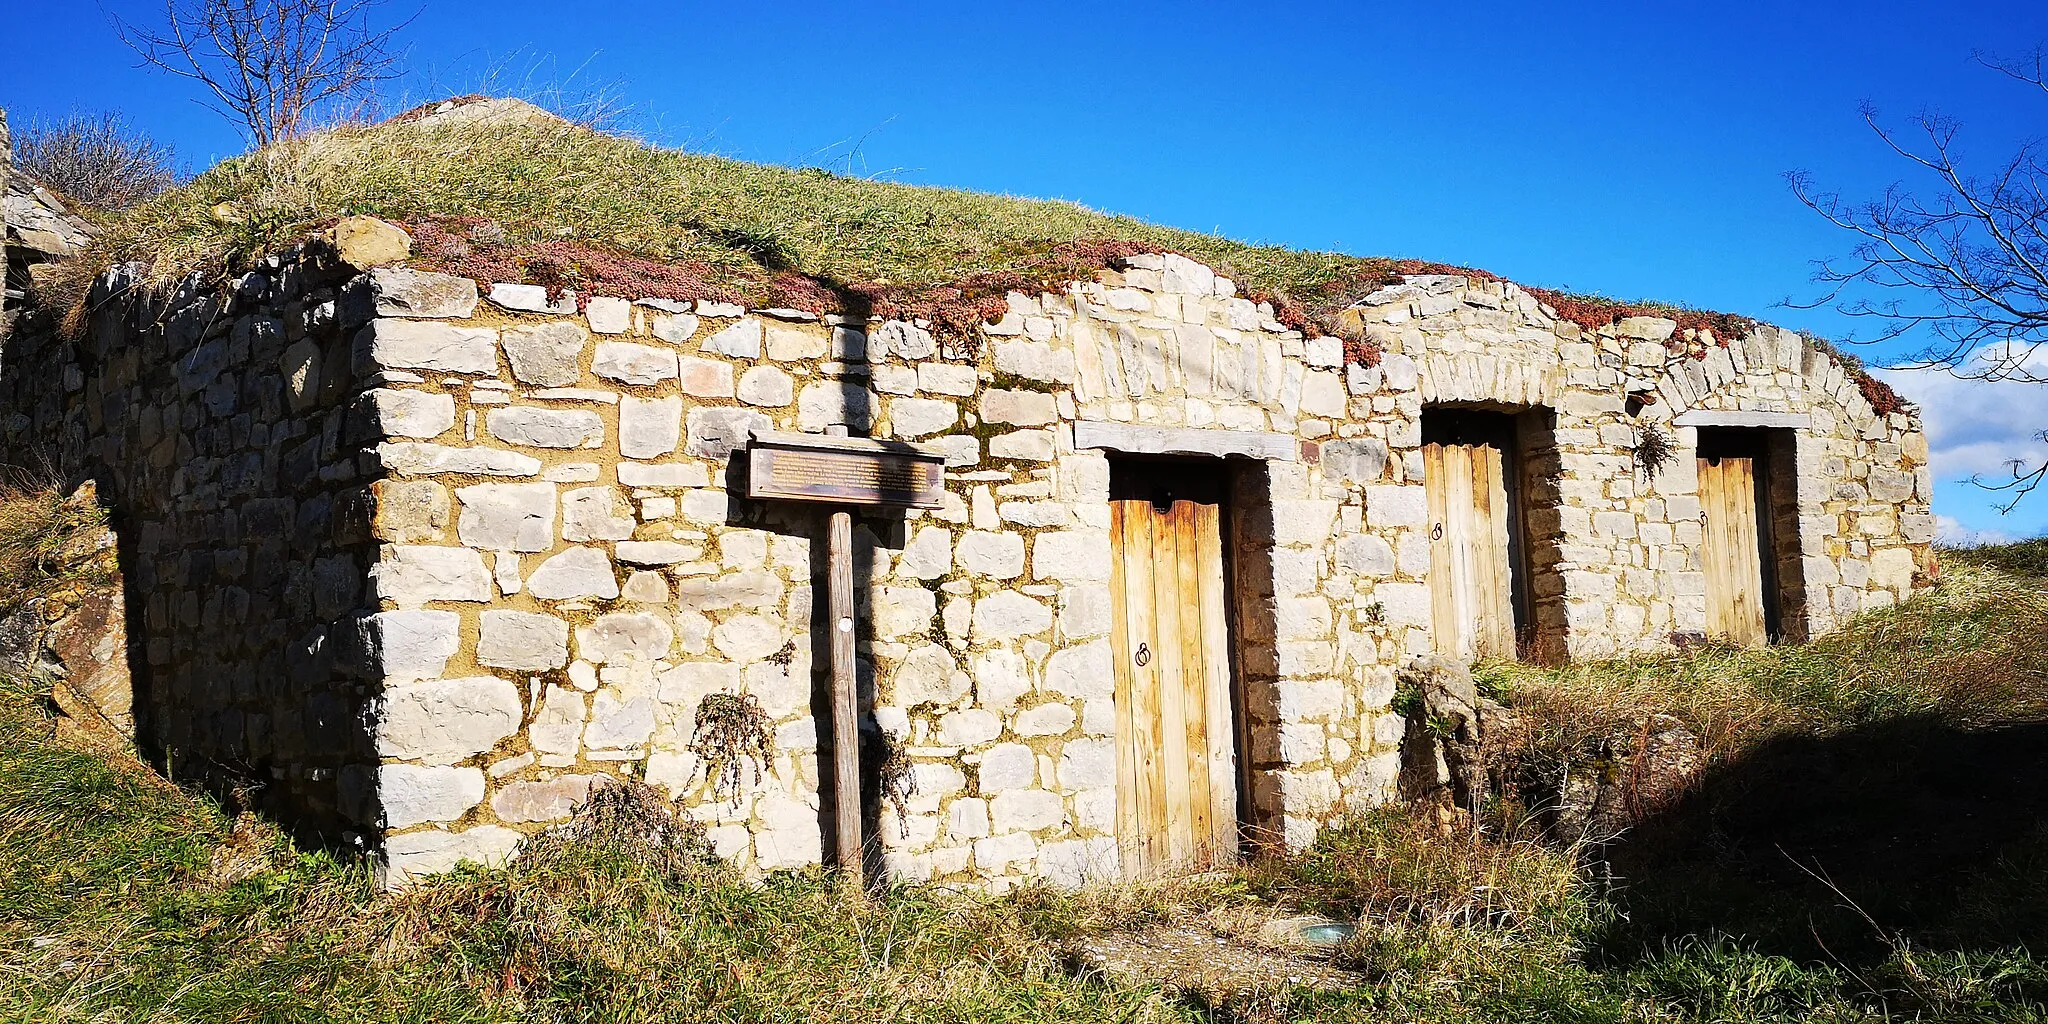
(732, 733)
(1654, 450)
(893, 777)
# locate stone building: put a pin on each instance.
(428, 560)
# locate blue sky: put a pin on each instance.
(1632, 150)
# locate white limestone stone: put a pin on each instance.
(1083, 671)
(766, 386)
(577, 572)
(414, 458)
(533, 427)
(740, 340)
(921, 417)
(412, 795)
(1026, 810)
(406, 645)
(609, 315)
(834, 403)
(414, 574)
(1005, 767)
(557, 727)
(522, 640)
(628, 363)
(995, 555)
(417, 414)
(618, 722)
(546, 355)
(1073, 556)
(649, 426)
(416, 855)
(624, 636)
(747, 638)
(927, 675)
(1045, 720)
(425, 345)
(1008, 615)
(595, 513)
(446, 720)
(507, 517)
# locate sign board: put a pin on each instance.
(845, 470)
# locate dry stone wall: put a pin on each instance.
(439, 558)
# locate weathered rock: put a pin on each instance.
(522, 640)
(575, 573)
(546, 355)
(546, 428)
(365, 242)
(446, 720)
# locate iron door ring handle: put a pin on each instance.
(1144, 656)
(1437, 532)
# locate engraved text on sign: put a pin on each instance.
(847, 472)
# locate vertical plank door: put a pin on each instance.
(1176, 743)
(1470, 582)
(1731, 550)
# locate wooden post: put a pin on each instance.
(845, 701)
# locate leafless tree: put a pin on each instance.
(271, 65)
(96, 159)
(1962, 265)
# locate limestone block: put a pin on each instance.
(947, 379)
(1084, 611)
(1045, 720)
(1026, 445)
(1087, 765)
(927, 675)
(970, 728)
(793, 344)
(715, 432)
(624, 636)
(766, 386)
(649, 426)
(415, 458)
(522, 640)
(1026, 810)
(577, 572)
(406, 645)
(628, 363)
(532, 298)
(408, 511)
(391, 344)
(1305, 522)
(747, 638)
(758, 589)
(928, 555)
(997, 854)
(1071, 556)
(967, 818)
(903, 611)
(387, 412)
(669, 475)
(995, 555)
(1365, 554)
(1404, 604)
(300, 367)
(446, 720)
(834, 403)
(546, 355)
(412, 795)
(901, 340)
(675, 328)
(619, 722)
(1359, 461)
(1008, 615)
(1892, 569)
(412, 575)
(779, 849)
(741, 340)
(1035, 360)
(552, 800)
(1023, 408)
(1083, 671)
(558, 725)
(920, 417)
(507, 517)
(608, 315)
(415, 855)
(999, 679)
(595, 513)
(397, 291)
(1006, 767)
(706, 378)
(656, 552)
(1322, 394)
(534, 427)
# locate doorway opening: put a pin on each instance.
(1489, 473)
(1179, 714)
(1749, 530)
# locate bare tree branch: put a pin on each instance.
(1963, 271)
(271, 66)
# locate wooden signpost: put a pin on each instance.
(844, 471)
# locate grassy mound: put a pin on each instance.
(525, 196)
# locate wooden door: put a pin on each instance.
(1471, 583)
(1176, 741)
(1731, 550)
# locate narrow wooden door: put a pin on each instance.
(1731, 550)
(1471, 582)
(1176, 741)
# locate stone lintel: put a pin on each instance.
(1134, 439)
(1713, 418)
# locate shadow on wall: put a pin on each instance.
(1940, 834)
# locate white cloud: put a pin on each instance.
(1979, 426)
(1950, 531)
